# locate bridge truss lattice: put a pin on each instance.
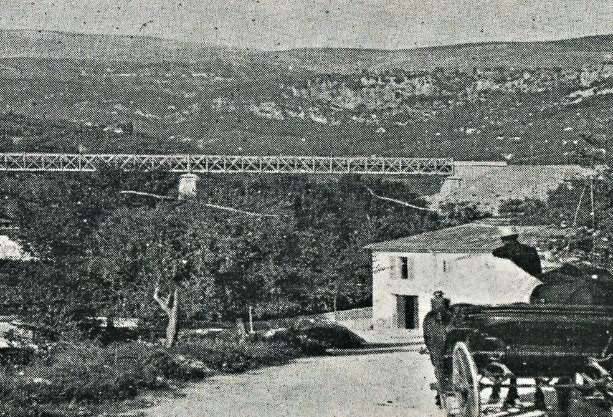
(56, 162)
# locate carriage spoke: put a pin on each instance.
(465, 381)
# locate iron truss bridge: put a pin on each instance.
(54, 162)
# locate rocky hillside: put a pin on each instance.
(519, 102)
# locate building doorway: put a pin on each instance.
(407, 311)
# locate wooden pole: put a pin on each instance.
(251, 319)
(593, 214)
(578, 206)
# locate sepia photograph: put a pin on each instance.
(306, 208)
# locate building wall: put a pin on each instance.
(477, 278)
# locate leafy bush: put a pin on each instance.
(329, 335)
(232, 353)
(88, 373)
(11, 409)
(83, 373)
(179, 367)
(299, 341)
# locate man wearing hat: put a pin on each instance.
(524, 256)
(435, 324)
(439, 304)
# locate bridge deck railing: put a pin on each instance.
(34, 162)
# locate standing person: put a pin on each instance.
(435, 324)
(524, 256)
(437, 302)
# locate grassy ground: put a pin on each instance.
(80, 377)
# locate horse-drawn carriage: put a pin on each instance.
(478, 351)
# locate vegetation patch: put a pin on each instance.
(78, 377)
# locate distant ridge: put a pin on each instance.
(575, 52)
(580, 39)
(83, 34)
(69, 45)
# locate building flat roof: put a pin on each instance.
(477, 237)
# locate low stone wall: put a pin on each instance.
(358, 318)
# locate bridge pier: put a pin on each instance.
(188, 186)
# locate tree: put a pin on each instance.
(56, 215)
(588, 221)
(170, 306)
(102, 252)
(196, 261)
(526, 211)
(139, 253)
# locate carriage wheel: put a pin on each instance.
(465, 381)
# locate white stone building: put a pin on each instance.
(457, 260)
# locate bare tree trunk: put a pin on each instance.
(173, 321)
(170, 305)
(335, 301)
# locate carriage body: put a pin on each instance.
(532, 340)
(537, 341)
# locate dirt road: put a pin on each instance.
(372, 385)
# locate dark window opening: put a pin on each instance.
(404, 268)
(408, 311)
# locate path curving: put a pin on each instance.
(394, 384)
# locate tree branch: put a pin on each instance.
(215, 206)
(248, 213)
(395, 201)
(144, 194)
(164, 304)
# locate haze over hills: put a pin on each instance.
(575, 52)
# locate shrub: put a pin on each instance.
(10, 409)
(330, 335)
(88, 373)
(232, 353)
(83, 373)
(173, 366)
(299, 341)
